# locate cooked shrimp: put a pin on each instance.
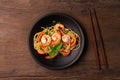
(59, 27)
(65, 51)
(45, 40)
(41, 51)
(73, 41)
(66, 39)
(73, 38)
(40, 35)
(56, 37)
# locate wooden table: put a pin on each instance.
(18, 16)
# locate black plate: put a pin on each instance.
(60, 61)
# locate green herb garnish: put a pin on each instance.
(55, 49)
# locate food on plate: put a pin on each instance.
(56, 39)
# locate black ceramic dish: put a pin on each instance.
(60, 61)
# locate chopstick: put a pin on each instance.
(94, 35)
(94, 40)
(101, 40)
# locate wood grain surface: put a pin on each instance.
(17, 18)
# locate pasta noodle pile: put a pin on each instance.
(56, 39)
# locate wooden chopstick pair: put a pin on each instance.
(97, 34)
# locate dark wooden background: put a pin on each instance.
(18, 16)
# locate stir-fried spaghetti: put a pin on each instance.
(56, 39)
